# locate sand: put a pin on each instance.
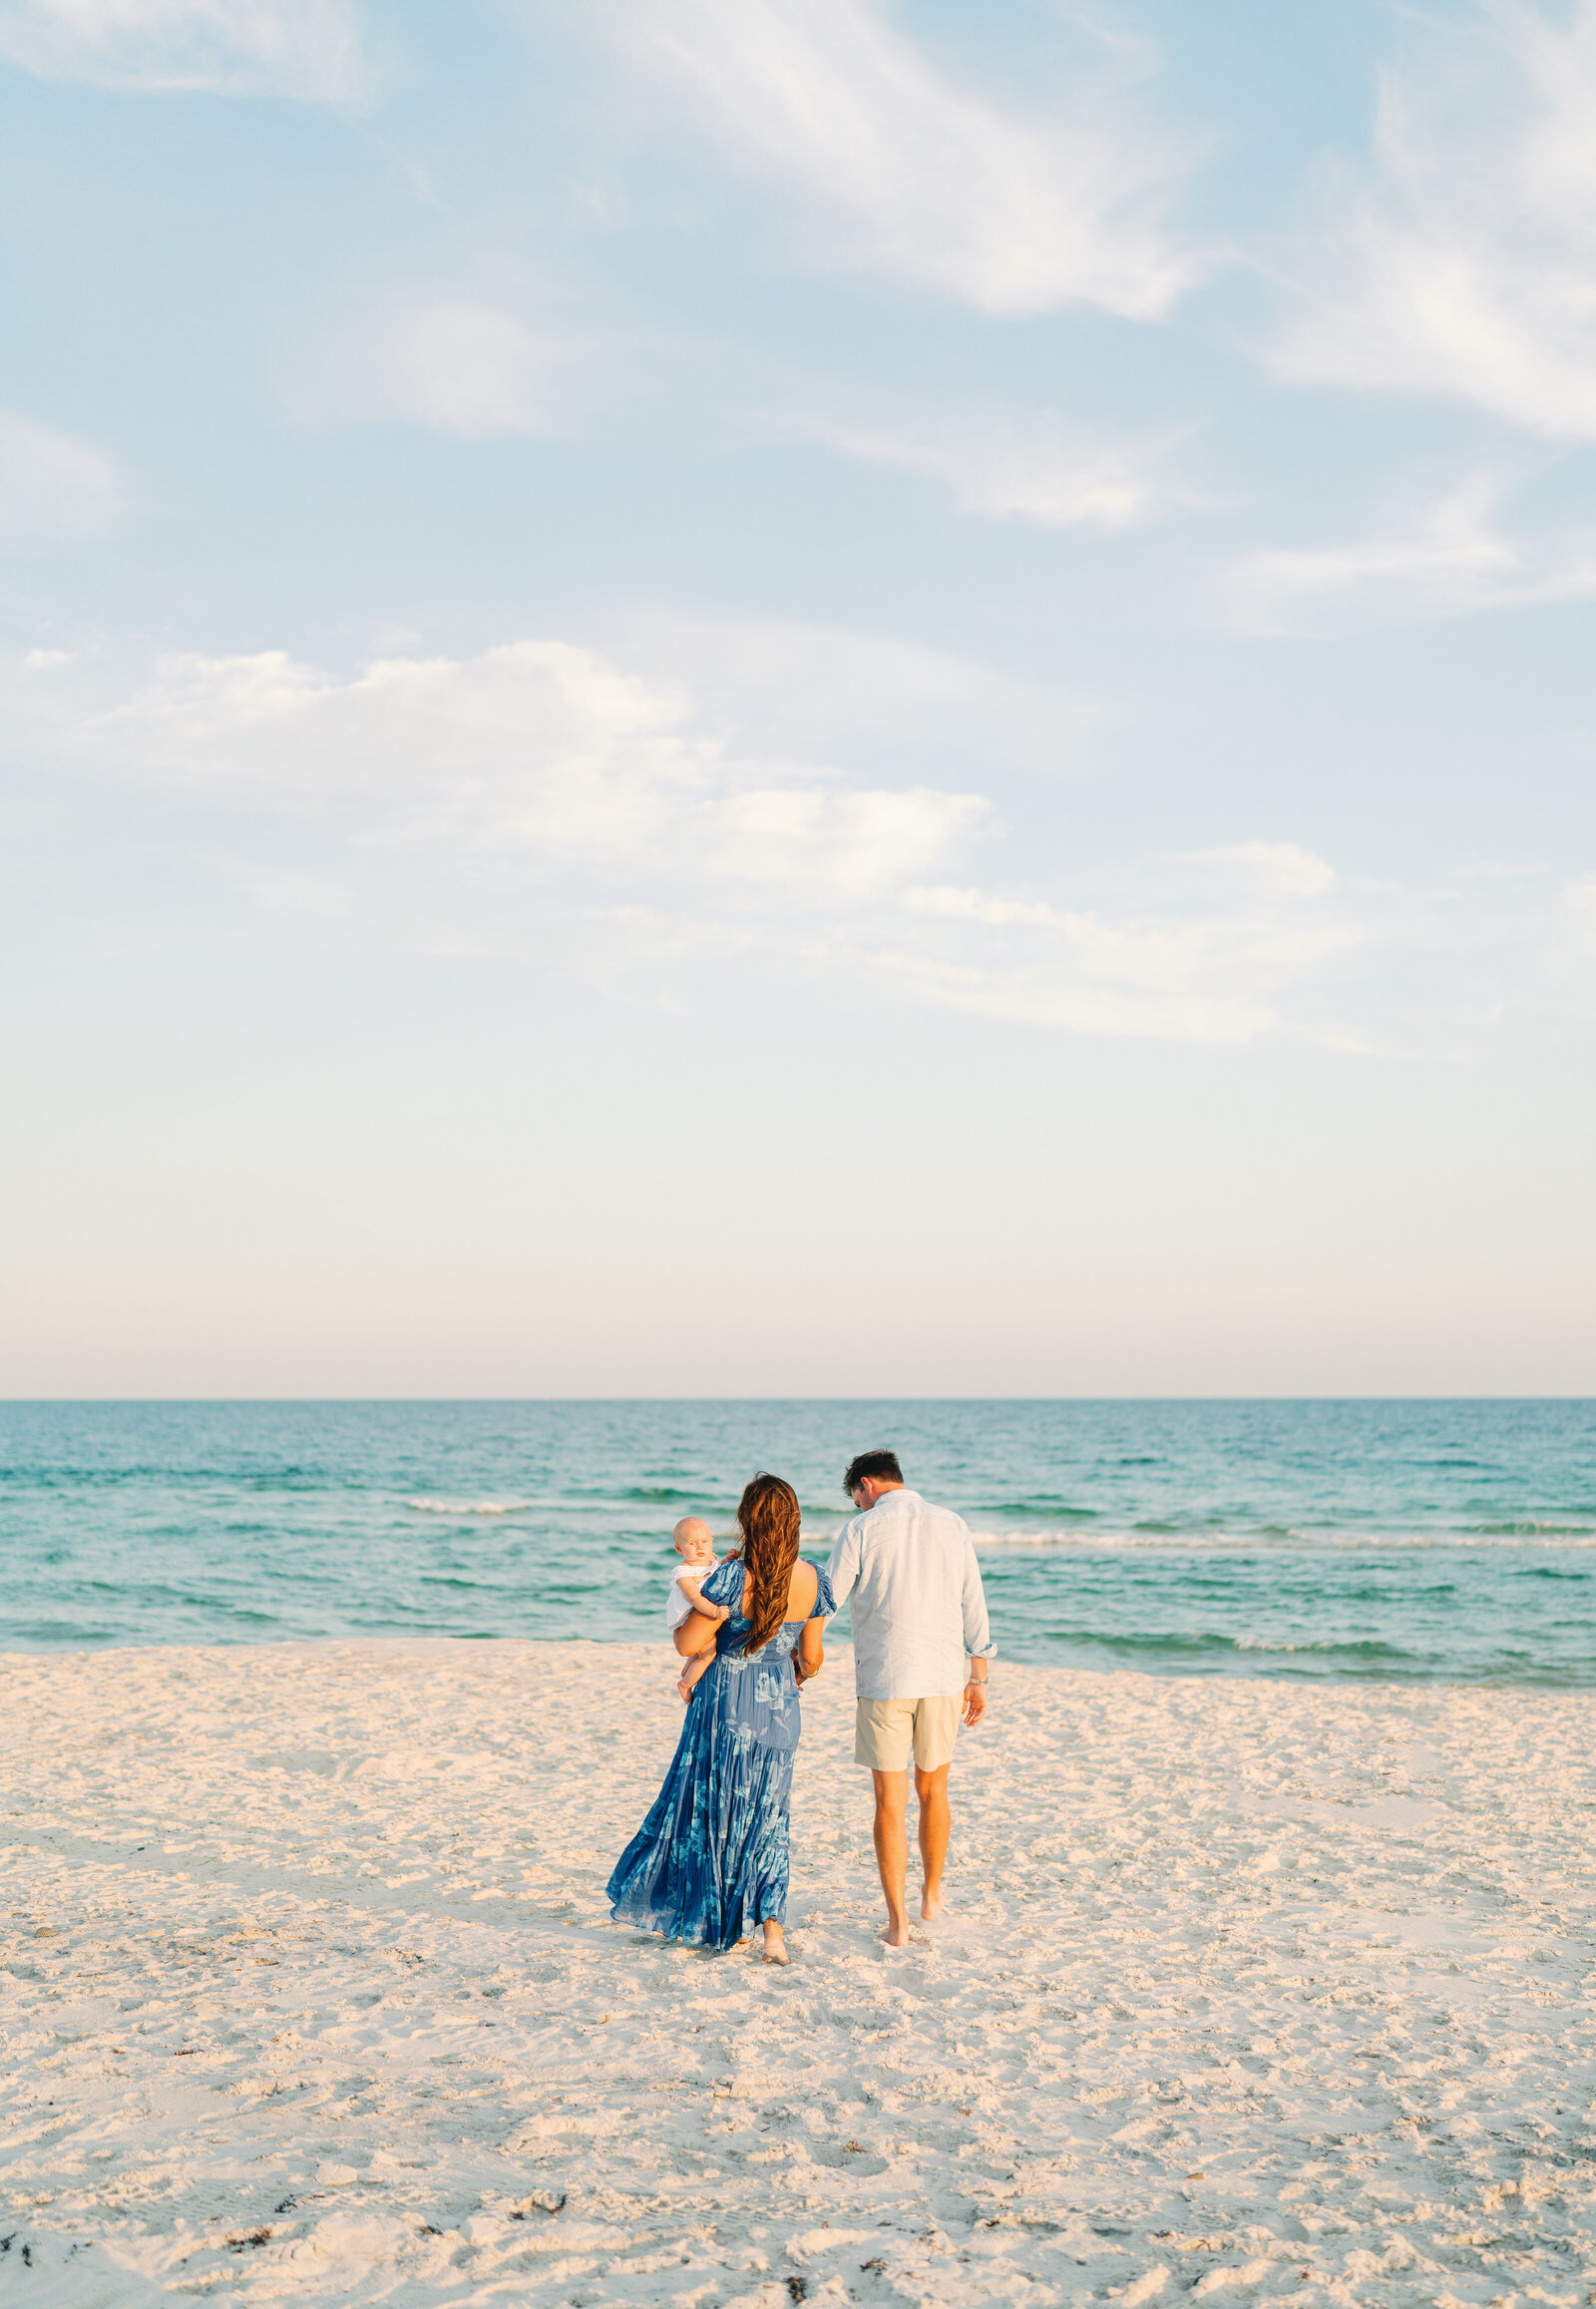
(1254, 1990)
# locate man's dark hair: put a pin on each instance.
(882, 1464)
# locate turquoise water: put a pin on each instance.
(1410, 1540)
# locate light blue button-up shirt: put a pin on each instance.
(910, 1571)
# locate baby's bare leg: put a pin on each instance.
(691, 1670)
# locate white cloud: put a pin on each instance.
(781, 689)
(904, 172)
(856, 843)
(1195, 970)
(53, 489)
(535, 749)
(535, 740)
(1465, 264)
(540, 764)
(1069, 1002)
(547, 761)
(308, 49)
(453, 364)
(1451, 561)
(466, 369)
(1003, 469)
(980, 906)
(543, 796)
(1576, 915)
(1274, 868)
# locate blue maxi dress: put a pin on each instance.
(709, 1863)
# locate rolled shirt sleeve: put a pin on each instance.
(977, 1632)
(843, 1569)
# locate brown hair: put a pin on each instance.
(768, 1517)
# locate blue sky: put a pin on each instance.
(711, 696)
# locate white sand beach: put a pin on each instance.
(1248, 1989)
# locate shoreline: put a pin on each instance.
(312, 1993)
(1543, 1682)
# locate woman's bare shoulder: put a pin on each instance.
(802, 1591)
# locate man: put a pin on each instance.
(910, 1571)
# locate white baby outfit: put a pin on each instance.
(678, 1606)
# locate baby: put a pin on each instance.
(695, 1544)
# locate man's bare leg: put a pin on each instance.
(935, 1820)
(892, 1851)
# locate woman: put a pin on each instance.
(709, 1863)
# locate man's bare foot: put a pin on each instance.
(775, 1945)
(900, 1936)
(931, 1905)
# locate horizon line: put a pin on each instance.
(19, 1403)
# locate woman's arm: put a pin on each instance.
(811, 1650)
(695, 1635)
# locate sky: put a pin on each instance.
(797, 697)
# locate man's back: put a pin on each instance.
(908, 1571)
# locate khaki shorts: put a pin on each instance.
(886, 1730)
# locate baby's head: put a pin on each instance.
(694, 1541)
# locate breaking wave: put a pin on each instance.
(469, 1506)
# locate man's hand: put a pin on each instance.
(974, 1702)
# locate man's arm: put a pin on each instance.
(843, 1569)
(978, 1637)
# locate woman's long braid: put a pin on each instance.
(768, 1516)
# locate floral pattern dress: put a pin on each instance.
(709, 1863)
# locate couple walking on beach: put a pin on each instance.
(709, 1863)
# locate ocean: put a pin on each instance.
(1406, 1541)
